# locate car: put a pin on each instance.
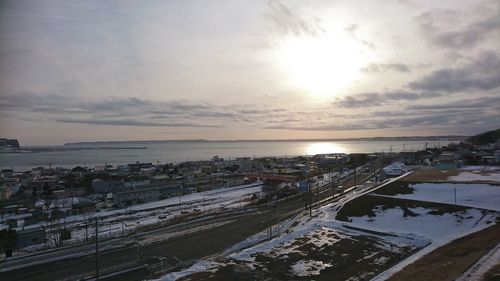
(196, 210)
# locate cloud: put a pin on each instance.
(475, 104)
(405, 119)
(376, 99)
(483, 73)
(480, 74)
(287, 21)
(434, 25)
(127, 122)
(352, 30)
(360, 100)
(132, 111)
(383, 67)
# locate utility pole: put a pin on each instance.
(333, 179)
(355, 168)
(310, 199)
(455, 191)
(278, 213)
(96, 250)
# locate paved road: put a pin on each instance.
(191, 246)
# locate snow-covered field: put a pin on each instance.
(423, 222)
(484, 196)
(310, 247)
(362, 246)
(477, 174)
(314, 247)
(480, 168)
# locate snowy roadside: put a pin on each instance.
(477, 271)
(117, 223)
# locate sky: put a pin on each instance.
(101, 70)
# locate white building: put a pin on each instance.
(395, 169)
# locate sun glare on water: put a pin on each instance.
(321, 66)
(324, 148)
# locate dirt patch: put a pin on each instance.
(356, 257)
(452, 260)
(493, 274)
(433, 175)
(368, 204)
(395, 188)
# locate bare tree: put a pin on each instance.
(57, 229)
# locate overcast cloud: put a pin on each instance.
(109, 70)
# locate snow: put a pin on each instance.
(114, 223)
(425, 231)
(309, 267)
(434, 245)
(484, 196)
(480, 168)
(424, 224)
(197, 267)
(488, 261)
(320, 231)
(489, 175)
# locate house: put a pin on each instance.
(129, 197)
(488, 159)
(446, 156)
(447, 160)
(234, 179)
(6, 173)
(83, 207)
(426, 156)
(408, 157)
(102, 186)
(30, 236)
(395, 169)
(5, 193)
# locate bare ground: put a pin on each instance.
(433, 175)
(493, 274)
(452, 260)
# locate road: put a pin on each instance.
(189, 247)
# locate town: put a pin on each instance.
(54, 207)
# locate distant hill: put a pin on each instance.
(9, 143)
(484, 138)
(411, 138)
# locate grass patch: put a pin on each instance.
(433, 175)
(395, 188)
(368, 204)
(450, 261)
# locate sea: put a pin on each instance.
(96, 154)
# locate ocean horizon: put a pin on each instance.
(92, 154)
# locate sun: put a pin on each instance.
(321, 66)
